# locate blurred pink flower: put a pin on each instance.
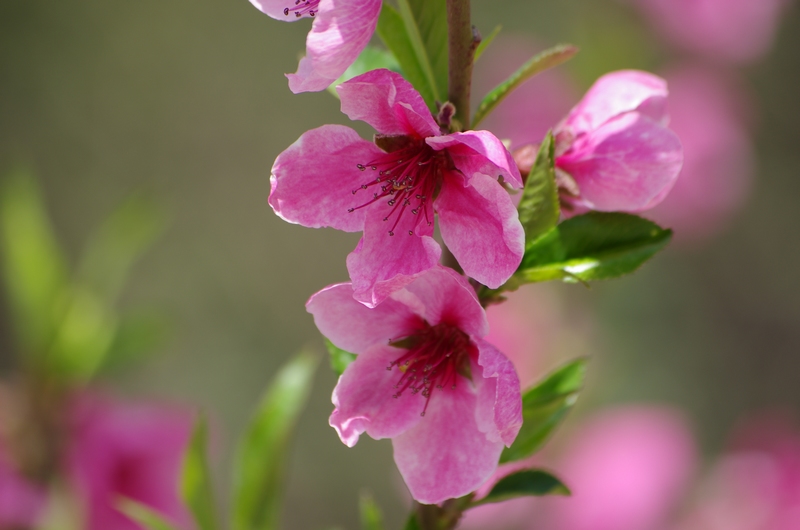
(755, 486)
(706, 110)
(447, 429)
(127, 450)
(726, 30)
(21, 503)
(627, 468)
(341, 30)
(332, 177)
(526, 115)
(614, 151)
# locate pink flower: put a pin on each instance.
(21, 502)
(627, 469)
(706, 111)
(341, 30)
(332, 177)
(728, 30)
(614, 151)
(425, 378)
(130, 451)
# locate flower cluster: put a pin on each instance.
(424, 375)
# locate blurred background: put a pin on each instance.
(185, 101)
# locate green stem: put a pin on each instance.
(462, 43)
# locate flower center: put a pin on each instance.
(303, 7)
(408, 178)
(436, 358)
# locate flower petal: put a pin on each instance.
(354, 327)
(275, 9)
(365, 402)
(617, 93)
(341, 30)
(382, 264)
(479, 152)
(448, 297)
(313, 180)
(446, 455)
(480, 225)
(625, 164)
(499, 413)
(388, 102)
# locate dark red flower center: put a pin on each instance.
(436, 358)
(407, 180)
(303, 7)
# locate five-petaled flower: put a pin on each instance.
(425, 378)
(332, 177)
(614, 151)
(341, 30)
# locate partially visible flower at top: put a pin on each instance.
(525, 115)
(131, 451)
(332, 177)
(728, 30)
(706, 111)
(21, 502)
(614, 151)
(341, 30)
(754, 486)
(425, 378)
(627, 469)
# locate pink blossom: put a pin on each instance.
(21, 502)
(727, 30)
(130, 451)
(341, 30)
(425, 378)
(755, 486)
(626, 467)
(614, 151)
(332, 177)
(525, 116)
(706, 110)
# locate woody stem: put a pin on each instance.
(462, 43)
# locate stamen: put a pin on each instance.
(303, 7)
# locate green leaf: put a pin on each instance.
(431, 20)
(486, 41)
(139, 334)
(196, 485)
(370, 513)
(412, 523)
(543, 408)
(538, 209)
(261, 454)
(529, 482)
(594, 246)
(33, 265)
(117, 244)
(339, 358)
(372, 58)
(539, 63)
(144, 515)
(400, 34)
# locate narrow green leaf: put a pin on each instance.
(372, 58)
(543, 408)
(397, 38)
(538, 209)
(33, 265)
(144, 515)
(261, 454)
(339, 358)
(431, 19)
(370, 513)
(529, 482)
(594, 246)
(196, 485)
(418, 44)
(117, 244)
(486, 41)
(539, 63)
(139, 334)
